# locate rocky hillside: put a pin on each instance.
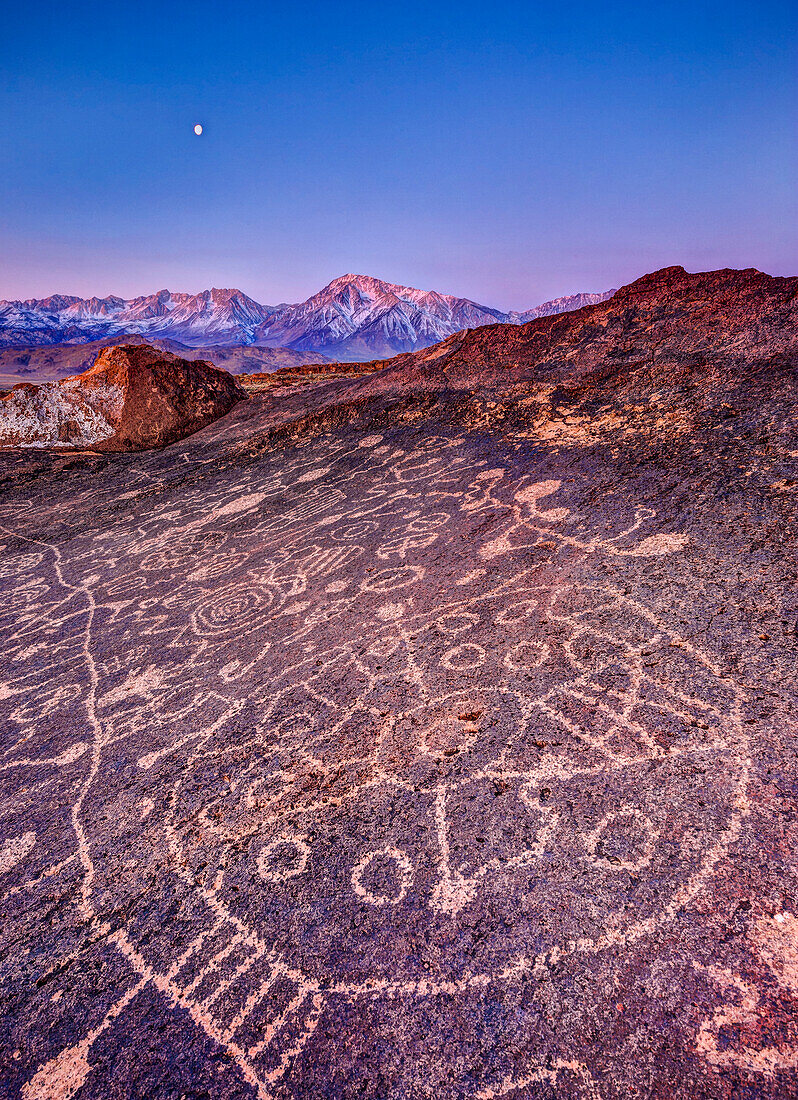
(427, 733)
(353, 317)
(133, 397)
(668, 328)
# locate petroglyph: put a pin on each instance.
(554, 1074)
(14, 850)
(326, 754)
(737, 1033)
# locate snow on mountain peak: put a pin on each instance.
(352, 317)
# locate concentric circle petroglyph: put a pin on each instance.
(234, 608)
(332, 756)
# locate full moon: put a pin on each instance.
(198, 129)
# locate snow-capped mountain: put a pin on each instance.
(358, 317)
(210, 317)
(353, 317)
(559, 305)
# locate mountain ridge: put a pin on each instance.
(355, 317)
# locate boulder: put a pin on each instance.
(134, 397)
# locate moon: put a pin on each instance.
(198, 129)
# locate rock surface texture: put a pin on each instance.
(134, 397)
(425, 734)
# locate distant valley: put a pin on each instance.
(34, 364)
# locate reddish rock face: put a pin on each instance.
(666, 324)
(133, 398)
(430, 734)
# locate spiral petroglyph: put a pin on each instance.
(375, 750)
(234, 608)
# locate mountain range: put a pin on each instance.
(355, 317)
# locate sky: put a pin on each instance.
(507, 152)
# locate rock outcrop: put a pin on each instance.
(133, 398)
(450, 753)
(668, 321)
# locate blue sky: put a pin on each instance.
(509, 152)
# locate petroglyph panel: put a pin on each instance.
(373, 730)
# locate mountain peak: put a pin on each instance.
(354, 316)
(363, 283)
(359, 280)
(351, 277)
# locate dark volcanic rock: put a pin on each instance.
(134, 397)
(656, 329)
(429, 734)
